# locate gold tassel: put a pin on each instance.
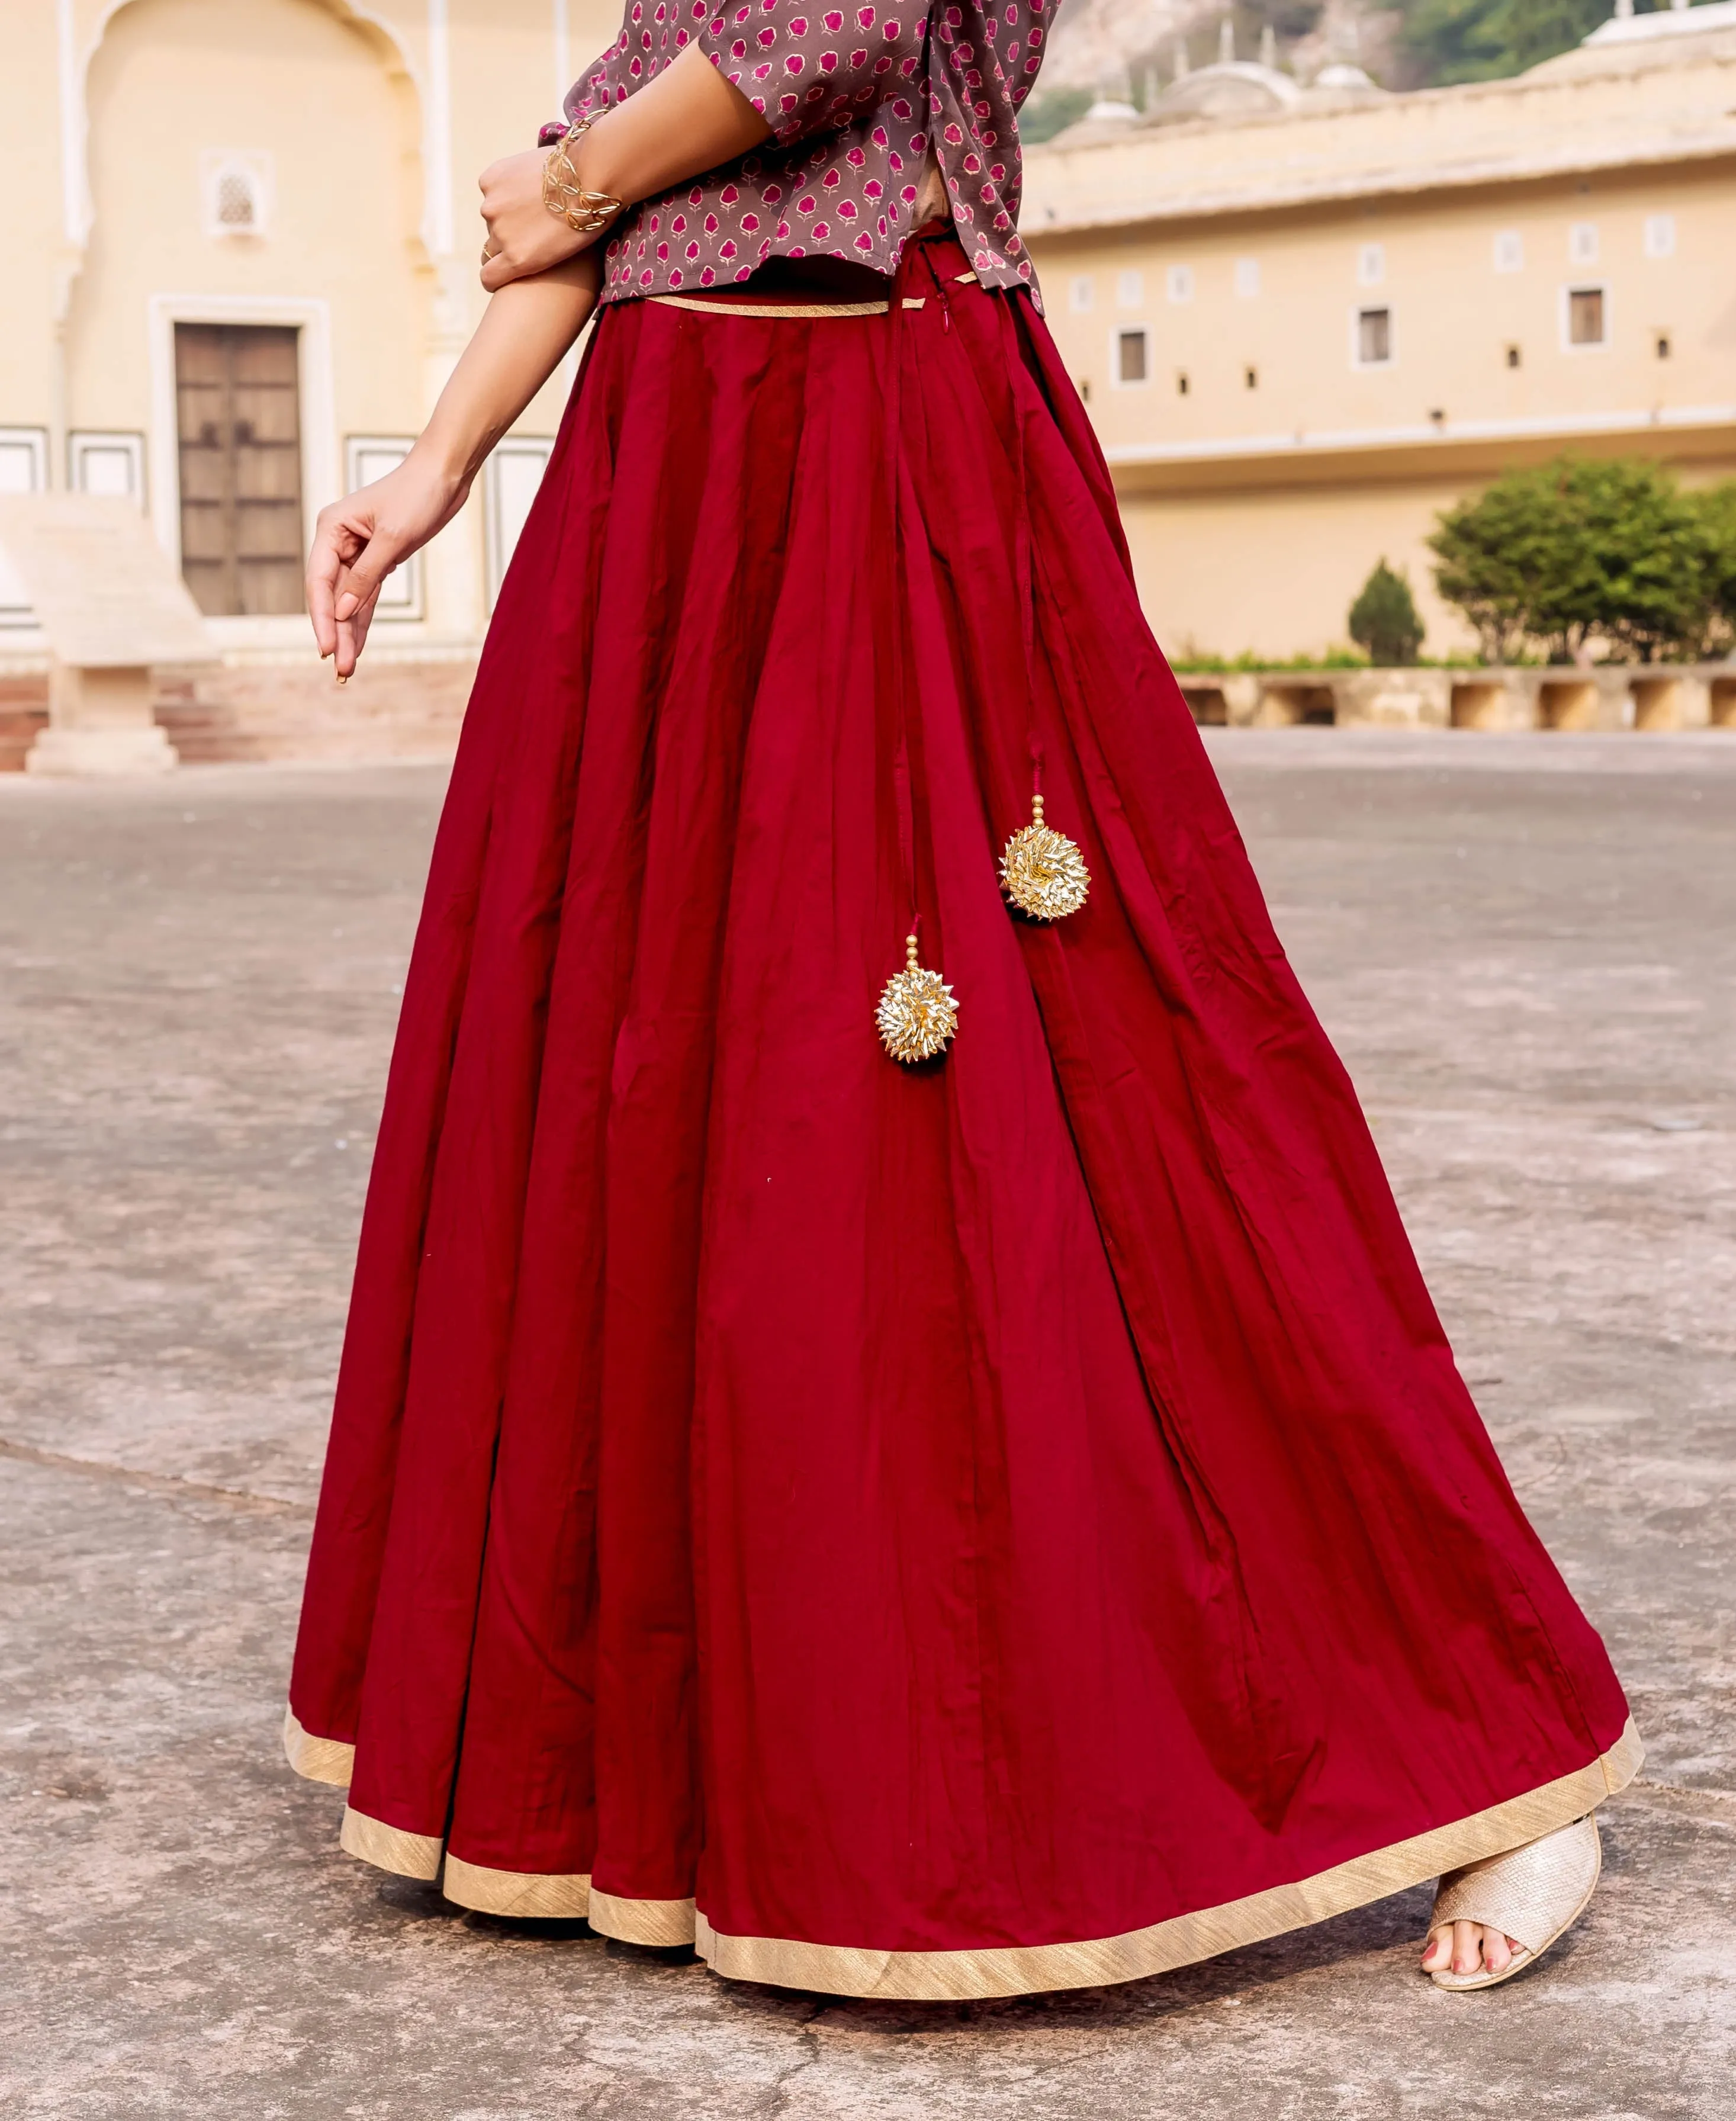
(1042, 872)
(918, 1014)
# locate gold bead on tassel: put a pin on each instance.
(1042, 872)
(918, 1015)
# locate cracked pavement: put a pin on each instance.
(1524, 946)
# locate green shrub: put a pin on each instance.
(1383, 618)
(1582, 550)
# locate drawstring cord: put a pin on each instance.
(917, 1013)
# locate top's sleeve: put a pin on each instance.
(805, 68)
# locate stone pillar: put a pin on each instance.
(100, 721)
(1392, 699)
(1492, 699)
(1671, 700)
(111, 606)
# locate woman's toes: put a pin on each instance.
(1467, 1947)
(1438, 1955)
(1497, 1952)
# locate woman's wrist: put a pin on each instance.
(445, 462)
(574, 186)
(596, 162)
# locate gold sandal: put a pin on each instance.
(1532, 1894)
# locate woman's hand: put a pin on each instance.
(524, 236)
(525, 331)
(361, 539)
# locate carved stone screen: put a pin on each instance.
(240, 463)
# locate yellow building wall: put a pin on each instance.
(342, 225)
(1258, 498)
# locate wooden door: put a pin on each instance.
(239, 398)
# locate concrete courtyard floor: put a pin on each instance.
(1525, 949)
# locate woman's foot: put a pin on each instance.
(1465, 1947)
(1494, 1917)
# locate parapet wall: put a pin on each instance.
(1645, 696)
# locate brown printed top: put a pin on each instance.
(855, 96)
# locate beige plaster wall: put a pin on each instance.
(1454, 315)
(1274, 570)
(188, 76)
(30, 247)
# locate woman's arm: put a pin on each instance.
(525, 331)
(687, 119)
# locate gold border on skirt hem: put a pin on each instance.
(390, 1847)
(532, 1895)
(320, 1759)
(835, 1969)
(642, 1922)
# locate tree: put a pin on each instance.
(1383, 618)
(1490, 551)
(1052, 110)
(1449, 40)
(1715, 507)
(1582, 550)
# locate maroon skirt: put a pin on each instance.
(1008, 1523)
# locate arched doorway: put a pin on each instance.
(255, 289)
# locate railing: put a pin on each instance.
(1645, 696)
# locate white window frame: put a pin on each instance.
(1178, 284)
(27, 447)
(403, 595)
(1358, 311)
(1570, 288)
(499, 538)
(1508, 251)
(1130, 288)
(1116, 337)
(1247, 279)
(1657, 238)
(1582, 243)
(1081, 294)
(312, 317)
(1371, 265)
(84, 443)
(257, 166)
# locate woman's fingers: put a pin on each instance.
(362, 576)
(338, 539)
(351, 633)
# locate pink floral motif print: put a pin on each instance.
(833, 82)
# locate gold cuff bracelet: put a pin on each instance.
(585, 212)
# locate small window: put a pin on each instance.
(511, 478)
(1514, 358)
(237, 203)
(1660, 236)
(368, 457)
(1247, 279)
(1374, 337)
(110, 465)
(1250, 379)
(1130, 360)
(1082, 293)
(1130, 289)
(235, 186)
(1510, 251)
(1371, 264)
(1663, 346)
(1582, 243)
(1585, 318)
(1181, 383)
(1085, 390)
(1179, 283)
